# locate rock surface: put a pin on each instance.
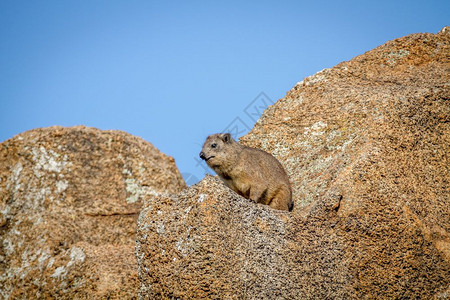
(366, 146)
(69, 200)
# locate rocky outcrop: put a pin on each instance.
(69, 200)
(366, 147)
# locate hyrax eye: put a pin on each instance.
(214, 145)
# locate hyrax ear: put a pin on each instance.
(226, 138)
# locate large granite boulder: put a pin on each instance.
(69, 200)
(366, 146)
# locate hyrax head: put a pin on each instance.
(218, 149)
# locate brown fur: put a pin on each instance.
(250, 172)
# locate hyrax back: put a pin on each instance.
(250, 172)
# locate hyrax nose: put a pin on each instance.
(202, 155)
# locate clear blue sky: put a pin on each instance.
(173, 72)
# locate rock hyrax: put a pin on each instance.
(250, 172)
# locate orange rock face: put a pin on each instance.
(366, 147)
(69, 200)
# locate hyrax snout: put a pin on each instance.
(250, 172)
